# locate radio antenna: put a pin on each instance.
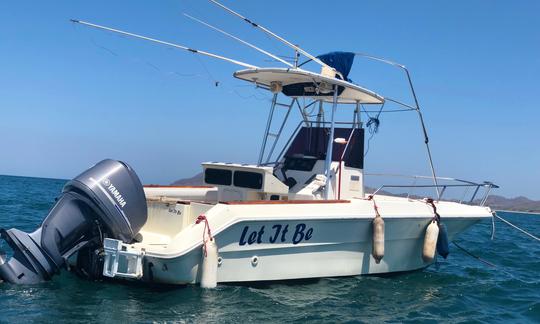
(192, 50)
(267, 31)
(240, 40)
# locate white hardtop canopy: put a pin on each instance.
(351, 94)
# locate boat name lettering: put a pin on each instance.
(278, 233)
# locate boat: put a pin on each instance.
(302, 211)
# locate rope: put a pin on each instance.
(516, 227)
(437, 217)
(487, 262)
(474, 256)
(102, 47)
(372, 126)
(493, 233)
(375, 122)
(492, 226)
(200, 219)
(375, 207)
(211, 77)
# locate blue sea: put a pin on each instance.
(458, 289)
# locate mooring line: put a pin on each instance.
(474, 256)
(489, 263)
(492, 236)
(516, 227)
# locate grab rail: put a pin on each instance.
(459, 183)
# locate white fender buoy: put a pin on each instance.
(209, 265)
(377, 250)
(430, 242)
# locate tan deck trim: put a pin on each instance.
(284, 202)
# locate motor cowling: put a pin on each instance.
(106, 200)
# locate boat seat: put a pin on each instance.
(313, 189)
(290, 182)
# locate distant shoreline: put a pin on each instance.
(29, 176)
(518, 211)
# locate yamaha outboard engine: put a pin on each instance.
(107, 200)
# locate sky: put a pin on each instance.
(71, 96)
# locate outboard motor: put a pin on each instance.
(107, 200)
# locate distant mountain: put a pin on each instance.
(520, 203)
(196, 180)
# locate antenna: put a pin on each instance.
(267, 31)
(192, 50)
(240, 40)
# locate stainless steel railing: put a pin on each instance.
(453, 183)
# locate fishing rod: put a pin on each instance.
(376, 58)
(275, 57)
(192, 50)
(269, 32)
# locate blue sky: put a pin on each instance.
(71, 96)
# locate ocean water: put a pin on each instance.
(459, 289)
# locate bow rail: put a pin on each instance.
(444, 184)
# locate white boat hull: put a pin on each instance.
(313, 246)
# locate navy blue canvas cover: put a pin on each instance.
(341, 61)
